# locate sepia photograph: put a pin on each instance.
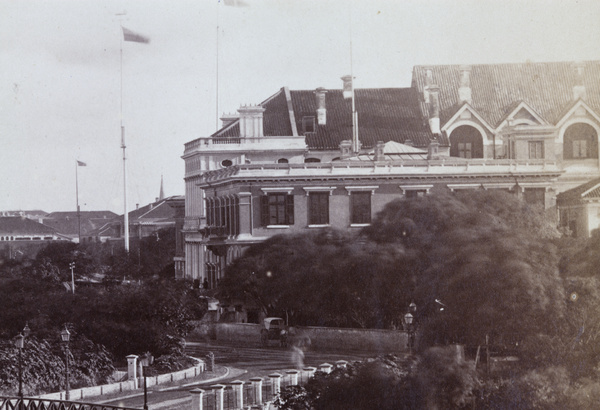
(299, 205)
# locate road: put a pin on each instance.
(244, 362)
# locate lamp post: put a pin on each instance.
(20, 344)
(409, 321)
(72, 267)
(65, 336)
(146, 360)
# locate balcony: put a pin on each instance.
(244, 144)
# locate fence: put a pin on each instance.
(15, 403)
(255, 393)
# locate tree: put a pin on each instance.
(486, 257)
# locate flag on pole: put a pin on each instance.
(81, 164)
(129, 35)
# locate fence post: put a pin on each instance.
(293, 374)
(310, 372)
(197, 396)
(218, 389)
(238, 394)
(326, 368)
(210, 361)
(257, 386)
(275, 384)
(132, 369)
(341, 364)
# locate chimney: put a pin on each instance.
(321, 107)
(464, 91)
(579, 87)
(433, 149)
(347, 79)
(428, 83)
(379, 148)
(251, 121)
(346, 148)
(434, 109)
(137, 206)
(228, 119)
(409, 143)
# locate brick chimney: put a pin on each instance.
(347, 79)
(434, 109)
(321, 106)
(464, 91)
(428, 83)
(228, 119)
(251, 121)
(579, 87)
(379, 148)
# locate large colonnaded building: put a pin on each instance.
(295, 162)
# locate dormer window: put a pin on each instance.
(282, 161)
(308, 124)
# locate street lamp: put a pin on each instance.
(145, 361)
(20, 344)
(65, 336)
(409, 321)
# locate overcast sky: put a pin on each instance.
(60, 96)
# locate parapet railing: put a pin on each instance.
(15, 403)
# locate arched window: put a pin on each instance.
(309, 160)
(580, 142)
(466, 142)
(282, 161)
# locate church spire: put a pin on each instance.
(161, 196)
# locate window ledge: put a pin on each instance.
(359, 225)
(278, 226)
(319, 226)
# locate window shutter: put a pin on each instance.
(264, 210)
(289, 209)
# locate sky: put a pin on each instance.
(68, 81)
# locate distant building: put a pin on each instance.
(579, 208)
(36, 214)
(68, 223)
(21, 236)
(301, 161)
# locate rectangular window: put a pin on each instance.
(277, 209)
(536, 149)
(580, 149)
(360, 203)
(464, 150)
(308, 124)
(318, 208)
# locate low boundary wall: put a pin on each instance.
(128, 385)
(321, 338)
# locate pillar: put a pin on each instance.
(245, 215)
(275, 383)
(257, 387)
(341, 364)
(238, 394)
(197, 397)
(326, 368)
(132, 369)
(293, 376)
(218, 390)
(310, 372)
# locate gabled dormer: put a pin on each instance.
(470, 135)
(578, 130)
(522, 114)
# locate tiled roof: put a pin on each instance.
(496, 88)
(16, 225)
(384, 114)
(84, 214)
(589, 190)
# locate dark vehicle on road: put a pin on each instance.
(274, 328)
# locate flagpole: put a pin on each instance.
(77, 200)
(355, 143)
(123, 146)
(217, 75)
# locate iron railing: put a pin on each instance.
(15, 403)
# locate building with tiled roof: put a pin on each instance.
(20, 235)
(72, 223)
(303, 159)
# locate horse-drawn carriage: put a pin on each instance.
(274, 328)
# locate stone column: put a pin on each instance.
(326, 368)
(197, 396)
(293, 375)
(341, 364)
(238, 394)
(275, 383)
(310, 372)
(257, 387)
(132, 369)
(245, 215)
(218, 389)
